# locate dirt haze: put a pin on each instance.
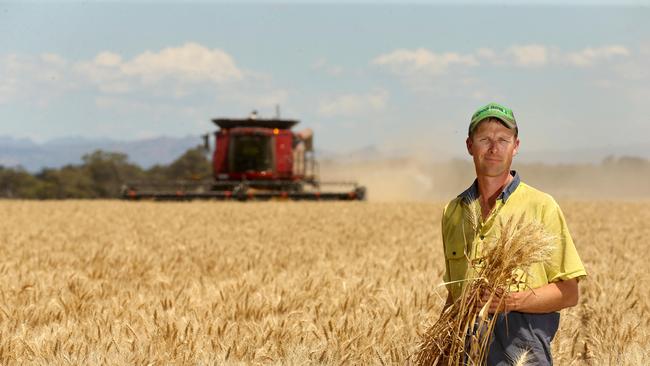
(414, 179)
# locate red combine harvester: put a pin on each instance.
(254, 159)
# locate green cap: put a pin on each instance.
(493, 110)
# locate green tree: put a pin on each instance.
(101, 175)
(17, 183)
(68, 182)
(192, 165)
(108, 171)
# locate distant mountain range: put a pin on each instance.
(56, 153)
(59, 152)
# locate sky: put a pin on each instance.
(400, 77)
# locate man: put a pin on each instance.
(529, 318)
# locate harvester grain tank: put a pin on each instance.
(255, 159)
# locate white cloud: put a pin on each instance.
(536, 55)
(34, 78)
(108, 59)
(423, 61)
(103, 73)
(9, 84)
(53, 59)
(532, 55)
(190, 63)
(326, 67)
(487, 54)
(590, 56)
(631, 75)
(187, 75)
(453, 74)
(354, 104)
(173, 70)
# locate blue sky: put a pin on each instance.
(400, 77)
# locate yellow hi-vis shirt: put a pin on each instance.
(517, 199)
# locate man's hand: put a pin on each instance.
(500, 302)
(546, 299)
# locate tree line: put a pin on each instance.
(100, 175)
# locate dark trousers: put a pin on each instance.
(515, 333)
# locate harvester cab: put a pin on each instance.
(262, 150)
(255, 158)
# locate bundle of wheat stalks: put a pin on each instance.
(463, 332)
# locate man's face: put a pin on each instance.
(492, 146)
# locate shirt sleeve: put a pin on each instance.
(446, 276)
(565, 262)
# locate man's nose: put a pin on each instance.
(493, 147)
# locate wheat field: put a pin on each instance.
(205, 283)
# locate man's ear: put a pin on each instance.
(468, 143)
(516, 150)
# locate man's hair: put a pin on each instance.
(492, 119)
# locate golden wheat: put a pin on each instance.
(109, 282)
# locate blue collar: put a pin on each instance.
(472, 193)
